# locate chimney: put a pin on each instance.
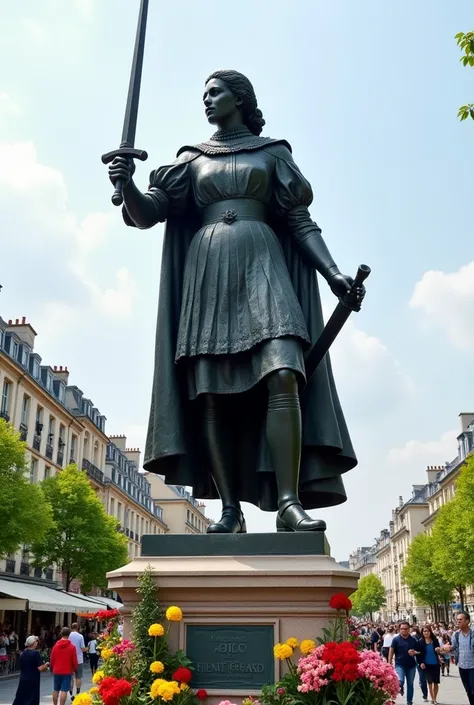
(466, 418)
(23, 330)
(119, 441)
(133, 454)
(400, 501)
(61, 373)
(432, 472)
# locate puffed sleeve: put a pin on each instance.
(293, 194)
(168, 191)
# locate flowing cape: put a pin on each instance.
(174, 446)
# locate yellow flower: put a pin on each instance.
(98, 676)
(174, 614)
(83, 699)
(93, 690)
(306, 646)
(157, 667)
(294, 643)
(156, 630)
(166, 690)
(282, 651)
(184, 686)
(106, 653)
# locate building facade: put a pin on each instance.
(182, 513)
(388, 556)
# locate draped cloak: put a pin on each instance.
(174, 446)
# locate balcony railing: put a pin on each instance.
(49, 451)
(60, 458)
(93, 471)
(23, 431)
(48, 574)
(36, 442)
(5, 415)
(10, 565)
(38, 573)
(24, 568)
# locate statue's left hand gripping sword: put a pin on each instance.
(127, 145)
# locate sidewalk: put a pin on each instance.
(451, 691)
(8, 688)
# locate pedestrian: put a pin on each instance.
(374, 640)
(404, 649)
(93, 654)
(446, 657)
(421, 672)
(63, 664)
(429, 661)
(77, 639)
(387, 641)
(31, 665)
(462, 646)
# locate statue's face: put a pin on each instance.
(219, 101)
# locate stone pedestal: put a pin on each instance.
(239, 595)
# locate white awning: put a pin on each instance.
(100, 602)
(45, 599)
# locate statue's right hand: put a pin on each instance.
(121, 169)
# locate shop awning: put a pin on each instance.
(100, 603)
(45, 599)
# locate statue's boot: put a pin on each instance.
(232, 521)
(292, 517)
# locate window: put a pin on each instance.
(51, 428)
(5, 397)
(34, 471)
(47, 472)
(25, 356)
(73, 447)
(36, 369)
(25, 410)
(119, 511)
(15, 350)
(86, 447)
(95, 457)
(112, 506)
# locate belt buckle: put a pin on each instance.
(229, 216)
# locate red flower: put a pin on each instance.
(182, 675)
(344, 657)
(340, 602)
(201, 694)
(111, 690)
(105, 615)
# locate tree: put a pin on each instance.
(453, 534)
(27, 515)
(465, 42)
(369, 596)
(423, 578)
(85, 543)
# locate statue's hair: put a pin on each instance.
(243, 89)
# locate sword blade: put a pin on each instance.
(133, 98)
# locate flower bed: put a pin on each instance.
(331, 669)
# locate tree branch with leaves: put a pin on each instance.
(465, 41)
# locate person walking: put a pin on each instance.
(462, 646)
(93, 654)
(421, 672)
(404, 649)
(31, 665)
(387, 641)
(429, 661)
(77, 639)
(445, 657)
(63, 664)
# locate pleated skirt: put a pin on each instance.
(237, 298)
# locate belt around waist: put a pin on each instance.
(232, 209)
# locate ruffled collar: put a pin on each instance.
(236, 139)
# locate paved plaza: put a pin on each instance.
(451, 691)
(8, 688)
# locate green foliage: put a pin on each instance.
(422, 576)
(465, 42)
(148, 648)
(27, 514)
(85, 542)
(453, 532)
(369, 596)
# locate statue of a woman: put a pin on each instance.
(239, 305)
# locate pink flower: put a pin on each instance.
(382, 676)
(281, 691)
(313, 671)
(123, 647)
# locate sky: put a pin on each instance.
(367, 95)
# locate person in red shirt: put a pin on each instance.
(63, 663)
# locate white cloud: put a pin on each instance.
(8, 106)
(85, 9)
(423, 453)
(35, 30)
(447, 301)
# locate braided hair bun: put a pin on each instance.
(243, 89)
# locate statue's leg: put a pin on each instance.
(220, 455)
(284, 437)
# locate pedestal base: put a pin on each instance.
(239, 597)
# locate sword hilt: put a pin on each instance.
(125, 150)
(362, 274)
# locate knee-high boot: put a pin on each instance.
(219, 450)
(284, 439)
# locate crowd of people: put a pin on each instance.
(426, 649)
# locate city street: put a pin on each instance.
(451, 691)
(8, 688)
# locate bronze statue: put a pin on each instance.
(239, 307)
